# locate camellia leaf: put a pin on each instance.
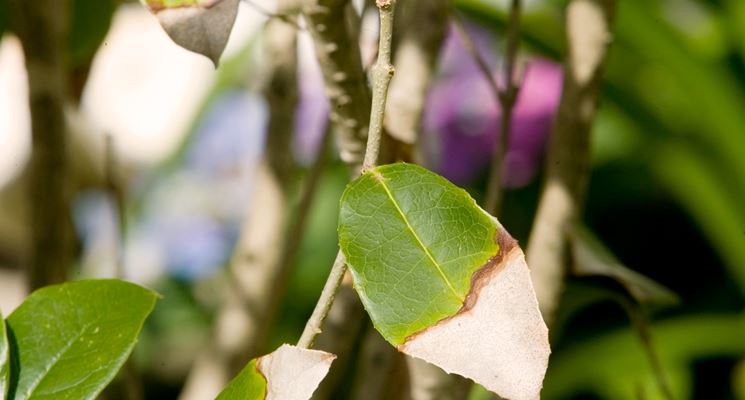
(592, 258)
(201, 26)
(290, 373)
(71, 339)
(442, 280)
(4, 360)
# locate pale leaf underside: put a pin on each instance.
(198, 26)
(289, 373)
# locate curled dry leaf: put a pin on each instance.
(201, 26)
(442, 280)
(290, 373)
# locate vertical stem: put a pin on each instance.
(132, 383)
(42, 27)
(560, 204)
(117, 196)
(338, 54)
(640, 322)
(507, 99)
(382, 74)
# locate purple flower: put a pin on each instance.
(462, 118)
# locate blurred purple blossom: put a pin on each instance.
(462, 119)
(191, 218)
(311, 116)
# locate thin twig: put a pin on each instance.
(132, 385)
(295, 236)
(117, 197)
(641, 324)
(382, 73)
(470, 46)
(506, 97)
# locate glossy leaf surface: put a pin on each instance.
(72, 339)
(442, 280)
(249, 385)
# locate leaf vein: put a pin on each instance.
(426, 250)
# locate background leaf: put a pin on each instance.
(89, 22)
(71, 339)
(442, 280)
(592, 258)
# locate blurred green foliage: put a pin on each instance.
(667, 192)
(89, 23)
(667, 196)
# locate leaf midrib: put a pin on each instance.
(380, 179)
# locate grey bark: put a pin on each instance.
(588, 35)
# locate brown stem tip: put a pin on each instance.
(384, 4)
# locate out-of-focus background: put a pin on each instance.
(666, 192)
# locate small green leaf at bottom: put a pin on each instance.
(70, 340)
(248, 385)
(442, 280)
(289, 373)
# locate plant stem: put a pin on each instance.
(116, 192)
(345, 82)
(640, 322)
(424, 26)
(506, 97)
(315, 322)
(382, 74)
(42, 27)
(560, 204)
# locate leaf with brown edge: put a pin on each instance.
(289, 373)
(201, 26)
(442, 280)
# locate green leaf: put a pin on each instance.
(249, 385)
(4, 360)
(201, 26)
(592, 258)
(289, 373)
(442, 280)
(71, 339)
(89, 23)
